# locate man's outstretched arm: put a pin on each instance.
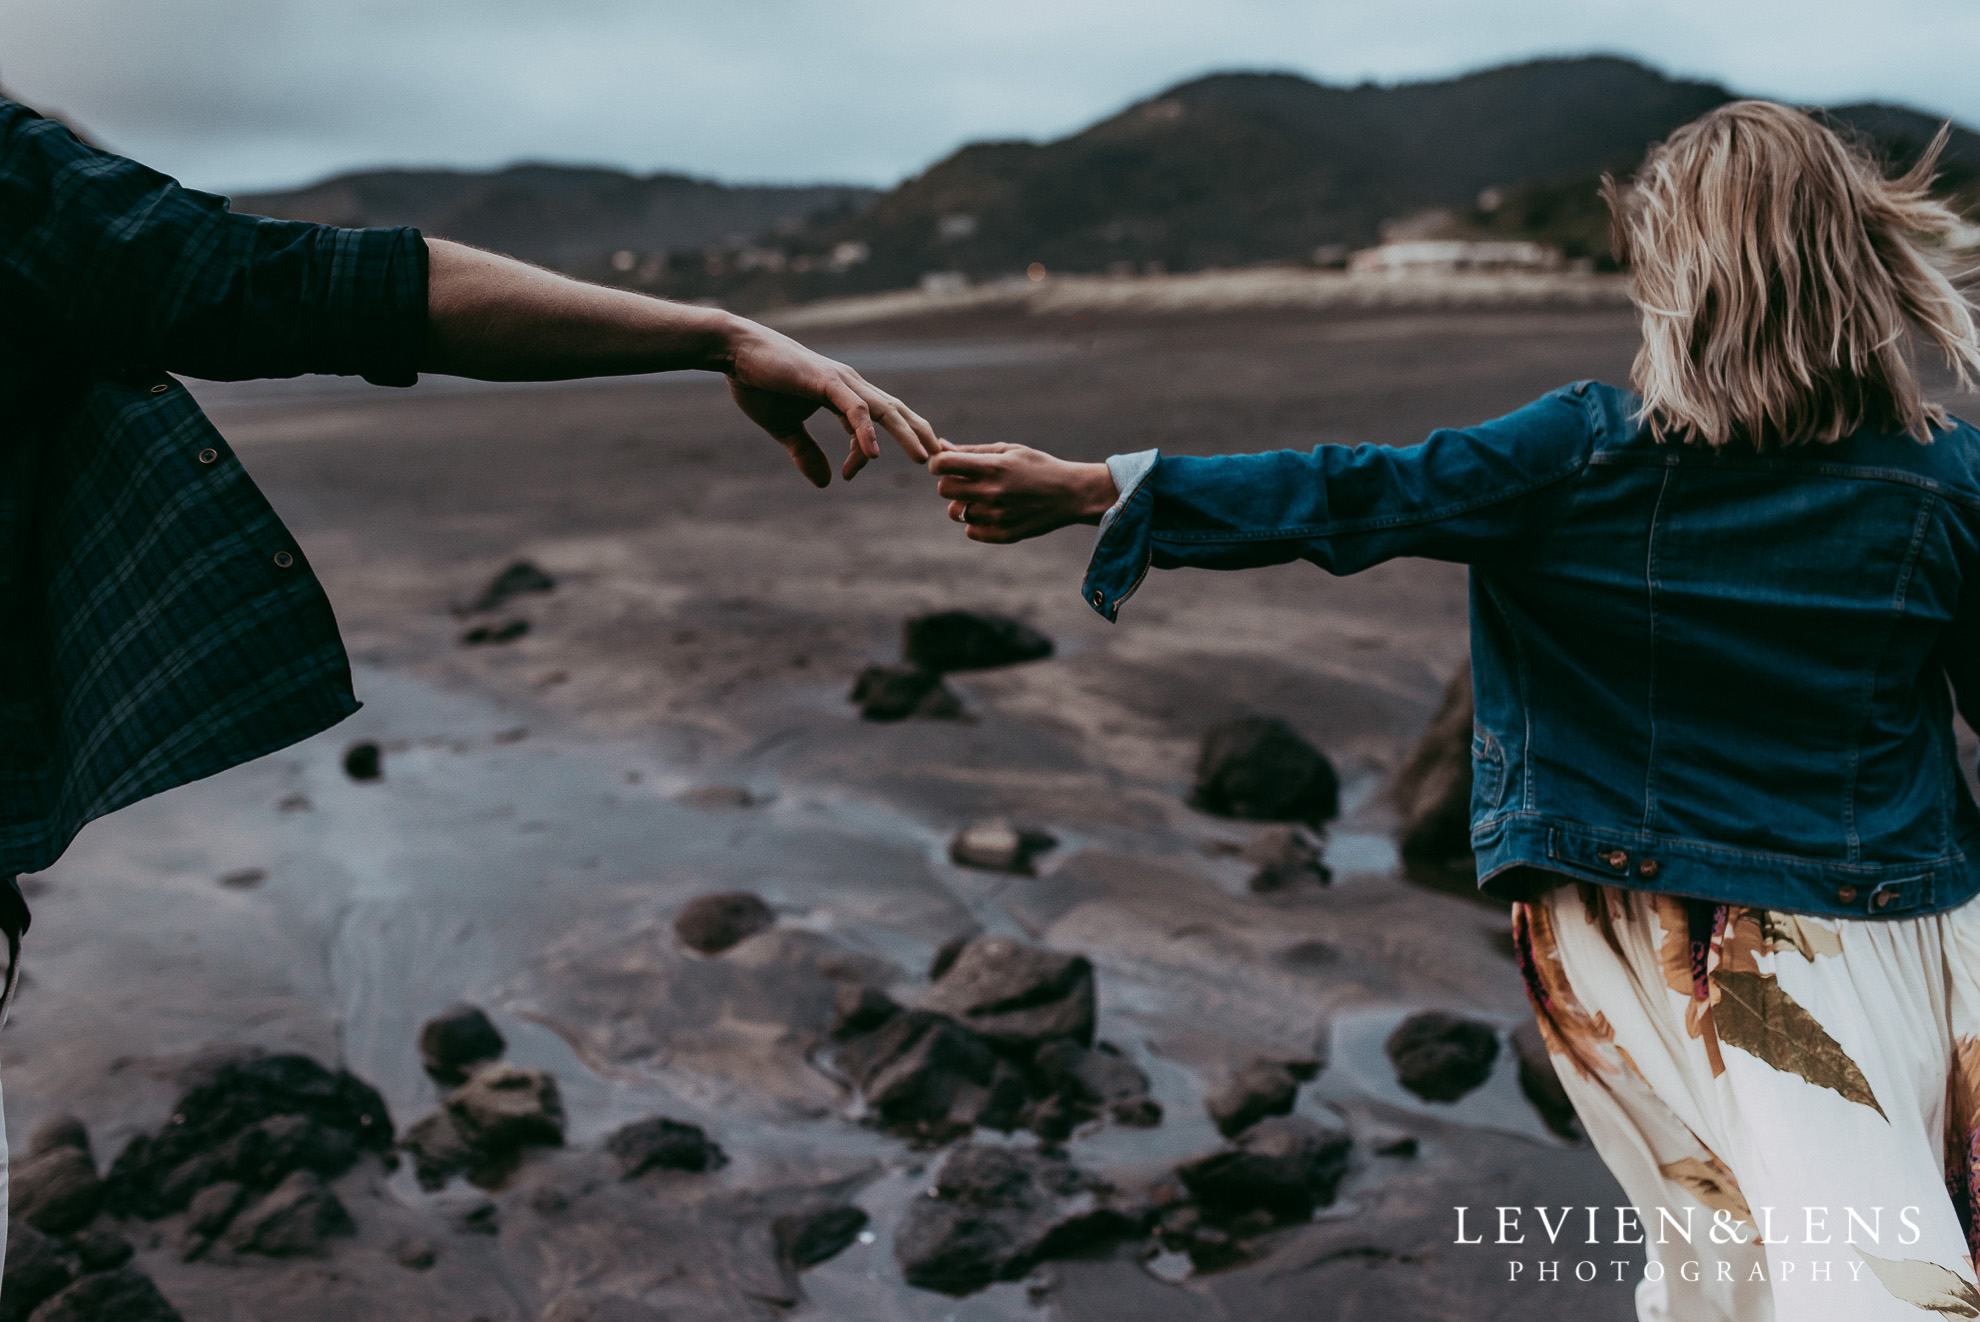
(498, 319)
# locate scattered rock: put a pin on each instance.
(970, 640)
(999, 847)
(713, 923)
(1441, 1057)
(858, 1009)
(457, 1038)
(469, 1212)
(1017, 996)
(925, 1074)
(663, 1144)
(253, 1119)
(894, 693)
(1286, 857)
(1260, 769)
(439, 1152)
(945, 955)
(209, 1214)
(295, 1218)
(996, 1212)
(503, 1108)
(55, 1191)
(1262, 1088)
(36, 1270)
(518, 578)
(261, 1156)
(1284, 1166)
(1541, 1082)
(1079, 1084)
(124, 1295)
(1393, 1143)
(101, 1250)
(243, 879)
(417, 1254)
(58, 1131)
(505, 632)
(807, 1238)
(1433, 788)
(364, 761)
(293, 803)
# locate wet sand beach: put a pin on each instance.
(675, 721)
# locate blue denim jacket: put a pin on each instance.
(1723, 675)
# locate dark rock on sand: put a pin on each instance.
(124, 1295)
(1017, 996)
(518, 578)
(1541, 1082)
(1262, 1088)
(505, 632)
(295, 1218)
(858, 1009)
(1284, 1167)
(504, 1107)
(1441, 1057)
(101, 1250)
(1433, 789)
(1286, 857)
(252, 1119)
(58, 1131)
(209, 1214)
(970, 640)
(456, 1039)
(1260, 769)
(1000, 847)
(998, 1211)
(713, 923)
(1079, 1084)
(663, 1144)
(36, 1270)
(56, 1191)
(364, 761)
(417, 1255)
(894, 693)
(809, 1237)
(945, 955)
(438, 1149)
(925, 1074)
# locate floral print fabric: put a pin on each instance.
(1812, 1082)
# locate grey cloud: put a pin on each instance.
(231, 93)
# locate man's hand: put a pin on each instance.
(497, 319)
(778, 383)
(1007, 493)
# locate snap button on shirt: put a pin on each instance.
(1845, 894)
(208, 456)
(283, 559)
(1617, 859)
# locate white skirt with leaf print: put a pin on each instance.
(1801, 1093)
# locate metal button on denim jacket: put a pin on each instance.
(1729, 675)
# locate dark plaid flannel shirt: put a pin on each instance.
(160, 624)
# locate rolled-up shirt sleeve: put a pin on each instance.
(117, 265)
(1463, 494)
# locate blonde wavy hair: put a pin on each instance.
(1782, 283)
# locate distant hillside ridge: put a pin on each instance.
(573, 218)
(1242, 169)
(1228, 170)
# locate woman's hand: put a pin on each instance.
(1007, 493)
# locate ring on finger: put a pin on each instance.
(964, 516)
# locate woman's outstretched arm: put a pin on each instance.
(498, 319)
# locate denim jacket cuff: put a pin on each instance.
(1121, 551)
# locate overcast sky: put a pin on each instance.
(240, 94)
